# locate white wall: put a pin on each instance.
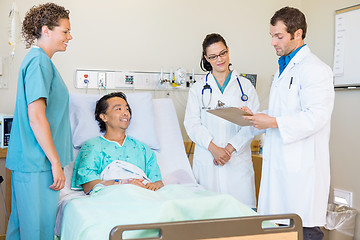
(345, 133)
(147, 35)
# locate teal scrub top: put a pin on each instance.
(226, 82)
(38, 78)
(99, 152)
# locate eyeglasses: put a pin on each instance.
(215, 57)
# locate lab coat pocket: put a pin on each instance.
(292, 100)
(292, 157)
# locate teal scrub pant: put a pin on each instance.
(34, 205)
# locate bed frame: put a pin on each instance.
(244, 228)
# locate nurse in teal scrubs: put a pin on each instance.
(40, 144)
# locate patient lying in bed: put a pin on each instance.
(115, 158)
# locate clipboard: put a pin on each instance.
(232, 114)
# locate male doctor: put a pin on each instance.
(296, 168)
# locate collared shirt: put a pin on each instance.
(226, 82)
(284, 60)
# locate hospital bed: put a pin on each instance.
(155, 123)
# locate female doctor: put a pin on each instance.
(222, 159)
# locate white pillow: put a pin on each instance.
(141, 127)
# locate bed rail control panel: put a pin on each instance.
(5, 128)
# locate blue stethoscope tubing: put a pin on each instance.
(244, 97)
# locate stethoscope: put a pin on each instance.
(244, 97)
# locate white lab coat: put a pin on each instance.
(237, 176)
(296, 165)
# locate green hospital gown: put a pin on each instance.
(99, 152)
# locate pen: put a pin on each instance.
(290, 82)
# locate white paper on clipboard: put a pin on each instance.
(232, 114)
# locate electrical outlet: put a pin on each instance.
(342, 197)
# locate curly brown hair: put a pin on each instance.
(48, 14)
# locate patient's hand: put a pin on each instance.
(154, 186)
(137, 182)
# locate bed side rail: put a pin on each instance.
(249, 228)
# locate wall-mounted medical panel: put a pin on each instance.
(96, 79)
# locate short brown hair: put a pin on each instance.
(293, 19)
(48, 14)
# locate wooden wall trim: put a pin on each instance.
(187, 145)
(8, 194)
(7, 181)
(3, 152)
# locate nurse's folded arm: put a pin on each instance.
(41, 128)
